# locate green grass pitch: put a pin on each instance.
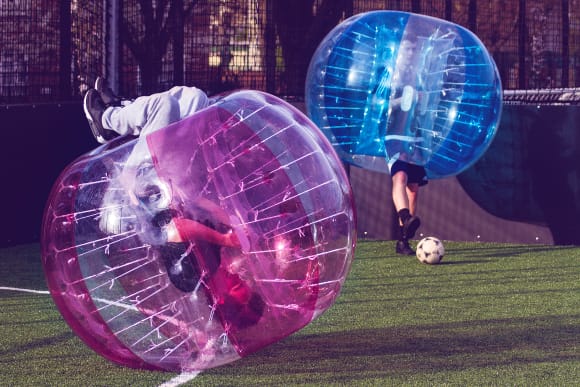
(489, 315)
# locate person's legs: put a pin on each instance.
(190, 99)
(408, 223)
(94, 107)
(144, 115)
(109, 117)
(405, 196)
(413, 196)
(399, 190)
(149, 113)
(95, 103)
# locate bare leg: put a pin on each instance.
(399, 192)
(413, 196)
(405, 198)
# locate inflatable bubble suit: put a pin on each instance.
(388, 85)
(265, 215)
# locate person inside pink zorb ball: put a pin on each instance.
(198, 243)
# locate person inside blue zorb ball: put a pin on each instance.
(389, 126)
(406, 94)
(387, 84)
(402, 140)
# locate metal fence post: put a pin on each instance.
(565, 43)
(111, 21)
(65, 51)
(178, 42)
(522, 39)
(270, 49)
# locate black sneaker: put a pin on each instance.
(404, 248)
(410, 227)
(109, 98)
(94, 108)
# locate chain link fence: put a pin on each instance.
(53, 50)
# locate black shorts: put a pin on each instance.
(415, 173)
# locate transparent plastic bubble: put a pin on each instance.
(388, 85)
(233, 230)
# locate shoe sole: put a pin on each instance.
(409, 253)
(404, 251)
(94, 128)
(98, 84)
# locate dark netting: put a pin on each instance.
(29, 58)
(225, 46)
(53, 50)
(88, 44)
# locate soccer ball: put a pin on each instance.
(430, 250)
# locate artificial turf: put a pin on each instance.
(490, 314)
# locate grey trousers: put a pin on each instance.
(149, 113)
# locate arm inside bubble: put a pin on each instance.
(183, 229)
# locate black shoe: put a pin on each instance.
(410, 227)
(404, 248)
(94, 108)
(181, 266)
(109, 98)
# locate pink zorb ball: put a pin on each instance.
(204, 241)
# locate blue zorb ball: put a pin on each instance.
(388, 85)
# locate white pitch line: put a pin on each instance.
(180, 379)
(115, 303)
(175, 382)
(24, 290)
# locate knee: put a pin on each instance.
(163, 103)
(399, 179)
(413, 188)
